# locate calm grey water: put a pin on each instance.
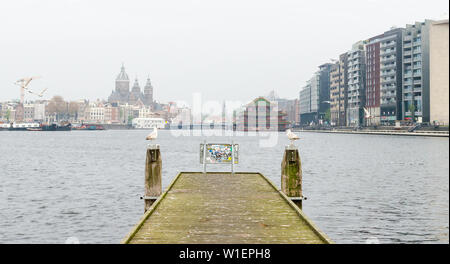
(87, 184)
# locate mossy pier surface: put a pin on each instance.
(224, 208)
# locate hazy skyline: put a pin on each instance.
(226, 50)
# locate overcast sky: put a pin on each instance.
(233, 50)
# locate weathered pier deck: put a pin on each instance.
(224, 208)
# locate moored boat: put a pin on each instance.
(88, 127)
(4, 126)
(55, 127)
(23, 126)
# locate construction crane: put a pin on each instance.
(38, 94)
(23, 84)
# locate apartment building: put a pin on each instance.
(309, 100)
(373, 81)
(439, 81)
(334, 93)
(391, 76)
(384, 78)
(28, 112)
(324, 90)
(416, 72)
(356, 74)
(338, 91)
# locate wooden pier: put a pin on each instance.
(226, 208)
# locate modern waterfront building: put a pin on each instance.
(439, 81)
(401, 74)
(384, 77)
(391, 76)
(324, 91)
(373, 81)
(334, 93)
(309, 100)
(356, 95)
(315, 97)
(338, 91)
(416, 72)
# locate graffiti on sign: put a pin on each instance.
(219, 153)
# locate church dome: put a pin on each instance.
(136, 88)
(123, 76)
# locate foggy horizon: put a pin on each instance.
(223, 50)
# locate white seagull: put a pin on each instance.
(292, 137)
(367, 114)
(153, 135)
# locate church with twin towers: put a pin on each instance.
(123, 95)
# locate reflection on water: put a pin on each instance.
(85, 185)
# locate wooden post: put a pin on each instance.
(291, 175)
(204, 157)
(153, 186)
(232, 157)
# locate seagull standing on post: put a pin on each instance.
(292, 137)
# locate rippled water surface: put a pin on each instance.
(87, 184)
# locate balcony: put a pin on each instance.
(407, 97)
(388, 59)
(388, 52)
(417, 89)
(407, 90)
(388, 96)
(389, 90)
(388, 102)
(388, 81)
(388, 74)
(386, 66)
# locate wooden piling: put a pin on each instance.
(291, 175)
(153, 186)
